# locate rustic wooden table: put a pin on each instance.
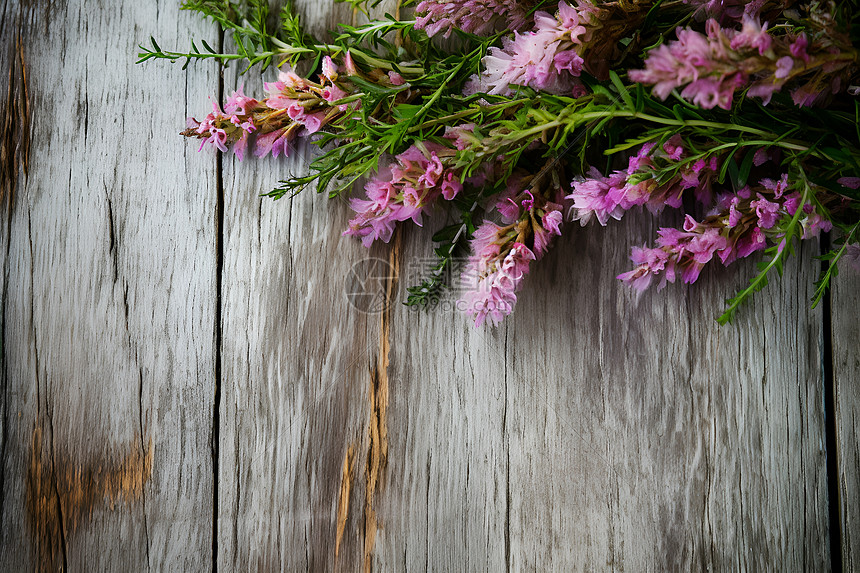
(186, 386)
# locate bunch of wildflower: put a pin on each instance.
(605, 197)
(758, 48)
(475, 16)
(741, 224)
(501, 254)
(405, 190)
(293, 107)
(712, 66)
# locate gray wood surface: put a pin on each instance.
(846, 384)
(187, 384)
(109, 299)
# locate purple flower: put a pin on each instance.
(852, 256)
(711, 67)
(766, 211)
(475, 16)
(850, 182)
(739, 226)
(495, 274)
(608, 197)
(549, 58)
(405, 190)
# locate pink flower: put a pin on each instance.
(673, 148)
(649, 263)
(783, 67)
(495, 274)
(451, 186)
(276, 142)
(609, 197)
(329, 69)
(739, 226)
(766, 211)
(761, 157)
(852, 256)
(240, 104)
(798, 48)
(850, 182)
(476, 16)
(712, 66)
(222, 130)
(548, 58)
(597, 196)
(752, 35)
(333, 93)
(778, 187)
(549, 227)
(405, 190)
(814, 224)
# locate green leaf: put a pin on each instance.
(622, 90)
(746, 165)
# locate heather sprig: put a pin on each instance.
(711, 67)
(775, 255)
(288, 43)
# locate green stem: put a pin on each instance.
(674, 122)
(825, 280)
(466, 113)
(438, 92)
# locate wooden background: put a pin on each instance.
(186, 387)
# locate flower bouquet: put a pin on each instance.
(521, 117)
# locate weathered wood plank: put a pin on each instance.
(846, 382)
(489, 449)
(109, 302)
(586, 433)
(592, 433)
(303, 408)
(295, 364)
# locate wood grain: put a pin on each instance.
(846, 385)
(592, 433)
(109, 301)
(195, 377)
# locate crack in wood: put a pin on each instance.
(219, 278)
(377, 454)
(15, 128)
(343, 498)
